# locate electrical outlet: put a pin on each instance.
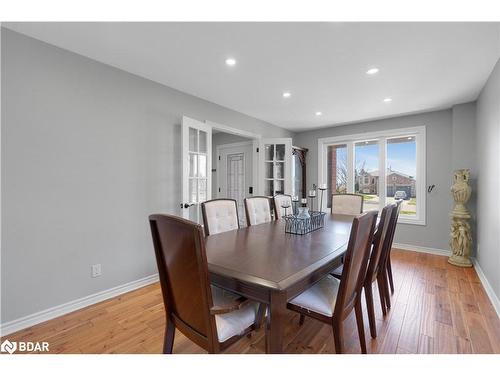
(96, 270)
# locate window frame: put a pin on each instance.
(419, 132)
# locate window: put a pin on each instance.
(366, 164)
(382, 166)
(402, 167)
(337, 170)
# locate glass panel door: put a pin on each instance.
(196, 167)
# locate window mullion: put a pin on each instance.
(350, 167)
(382, 167)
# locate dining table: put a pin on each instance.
(267, 265)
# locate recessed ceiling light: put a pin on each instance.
(230, 62)
(372, 71)
(387, 100)
(286, 94)
(319, 113)
(410, 138)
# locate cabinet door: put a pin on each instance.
(275, 166)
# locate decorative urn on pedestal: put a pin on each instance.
(461, 239)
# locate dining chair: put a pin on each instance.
(347, 204)
(206, 316)
(258, 210)
(279, 200)
(220, 215)
(331, 300)
(376, 267)
(389, 247)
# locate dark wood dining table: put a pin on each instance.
(265, 264)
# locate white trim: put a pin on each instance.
(234, 131)
(421, 249)
(418, 131)
(56, 311)
(495, 301)
(231, 145)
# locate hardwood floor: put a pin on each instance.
(436, 308)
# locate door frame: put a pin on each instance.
(218, 150)
(254, 138)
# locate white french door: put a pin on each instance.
(275, 166)
(196, 167)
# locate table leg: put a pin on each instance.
(275, 325)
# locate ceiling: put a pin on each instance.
(422, 66)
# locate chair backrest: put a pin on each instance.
(278, 202)
(355, 262)
(182, 265)
(220, 215)
(347, 204)
(380, 240)
(390, 233)
(258, 210)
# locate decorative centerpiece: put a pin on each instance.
(461, 238)
(304, 220)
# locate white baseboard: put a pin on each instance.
(421, 249)
(495, 301)
(56, 311)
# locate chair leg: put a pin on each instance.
(361, 327)
(338, 336)
(168, 343)
(261, 314)
(387, 294)
(301, 320)
(381, 292)
(389, 273)
(371, 310)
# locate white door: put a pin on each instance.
(235, 174)
(196, 167)
(275, 166)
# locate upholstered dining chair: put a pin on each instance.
(258, 210)
(206, 316)
(331, 300)
(347, 204)
(376, 267)
(220, 215)
(279, 200)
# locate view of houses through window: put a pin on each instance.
(366, 173)
(400, 174)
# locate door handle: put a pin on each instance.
(186, 205)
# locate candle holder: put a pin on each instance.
(321, 188)
(295, 200)
(303, 202)
(312, 196)
(286, 206)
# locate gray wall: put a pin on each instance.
(464, 153)
(88, 152)
(440, 145)
(488, 210)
